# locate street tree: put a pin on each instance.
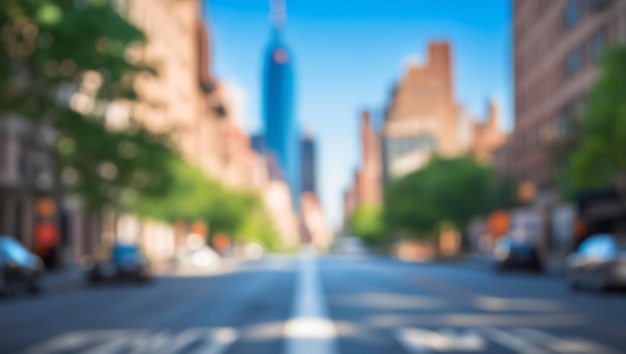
(367, 223)
(62, 64)
(600, 162)
(445, 192)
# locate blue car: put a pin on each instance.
(20, 269)
(125, 262)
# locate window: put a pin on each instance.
(572, 13)
(573, 62)
(598, 45)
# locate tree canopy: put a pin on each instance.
(446, 191)
(194, 197)
(62, 63)
(600, 160)
(367, 223)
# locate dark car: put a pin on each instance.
(19, 268)
(599, 263)
(513, 254)
(125, 262)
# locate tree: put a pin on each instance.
(445, 192)
(367, 223)
(600, 162)
(195, 197)
(62, 63)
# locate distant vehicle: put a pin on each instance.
(125, 262)
(200, 259)
(510, 253)
(599, 263)
(19, 268)
(351, 246)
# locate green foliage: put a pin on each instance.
(47, 44)
(107, 167)
(367, 223)
(446, 191)
(192, 197)
(258, 228)
(600, 157)
(51, 51)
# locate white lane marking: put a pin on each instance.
(72, 341)
(572, 345)
(200, 340)
(114, 345)
(148, 342)
(422, 341)
(221, 340)
(513, 342)
(309, 330)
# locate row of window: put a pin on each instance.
(397, 147)
(589, 53)
(542, 45)
(576, 9)
(577, 59)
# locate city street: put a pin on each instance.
(324, 305)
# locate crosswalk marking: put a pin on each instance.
(198, 340)
(512, 342)
(564, 346)
(516, 340)
(419, 341)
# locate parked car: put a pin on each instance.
(19, 268)
(510, 253)
(599, 263)
(124, 262)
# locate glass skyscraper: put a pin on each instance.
(281, 130)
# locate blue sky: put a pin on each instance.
(348, 53)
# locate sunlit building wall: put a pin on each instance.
(181, 101)
(369, 185)
(317, 231)
(422, 114)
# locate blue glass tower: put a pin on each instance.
(281, 131)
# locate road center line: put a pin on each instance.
(309, 330)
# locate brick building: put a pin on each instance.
(422, 116)
(556, 45)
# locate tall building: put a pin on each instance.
(422, 116)
(370, 175)
(556, 46)
(281, 132)
(309, 166)
(421, 119)
(367, 184)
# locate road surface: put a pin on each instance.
(320, 305)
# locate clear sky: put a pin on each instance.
(347, 54)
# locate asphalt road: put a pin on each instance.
(325, 305)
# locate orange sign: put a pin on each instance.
(221, 242)
(498, 223)
(199, 228)
(46, 207)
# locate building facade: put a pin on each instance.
(422, 116)
(309, 164)
(556, 47)
(369, 176)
